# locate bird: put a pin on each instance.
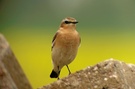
(65, 46)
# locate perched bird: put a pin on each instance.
(65, 45)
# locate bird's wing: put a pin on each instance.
(53, 41)
(79, 41)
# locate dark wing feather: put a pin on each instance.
(53, 41)
(80, 40)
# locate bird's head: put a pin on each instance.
(69, 22)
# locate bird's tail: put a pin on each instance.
(54, 74)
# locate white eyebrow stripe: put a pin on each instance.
(65, 20)
(68, 19)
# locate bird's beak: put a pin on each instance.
(76, 22)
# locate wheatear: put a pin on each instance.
(64, 46)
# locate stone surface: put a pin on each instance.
(11, 73)
(110, 74)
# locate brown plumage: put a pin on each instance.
(64, 46)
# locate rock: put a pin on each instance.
(110, 74)
(11, 73)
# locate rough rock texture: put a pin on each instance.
(11, 74)
(110, 74)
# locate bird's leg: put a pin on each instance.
(58, 74)
(68, 70)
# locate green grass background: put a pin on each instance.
(107, 30)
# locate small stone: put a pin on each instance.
(89, 73)
(95, 86)
(95, 68)
(113, 76)
(105, 79)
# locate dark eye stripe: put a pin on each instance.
(68, 22)
(74, 22)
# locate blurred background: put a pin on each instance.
(107, 29)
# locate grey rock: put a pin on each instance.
(110, 74)
(11, 73)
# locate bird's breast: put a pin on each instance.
(69, 40)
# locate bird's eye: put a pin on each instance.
(67, 22)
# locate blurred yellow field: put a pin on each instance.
(33, 50)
